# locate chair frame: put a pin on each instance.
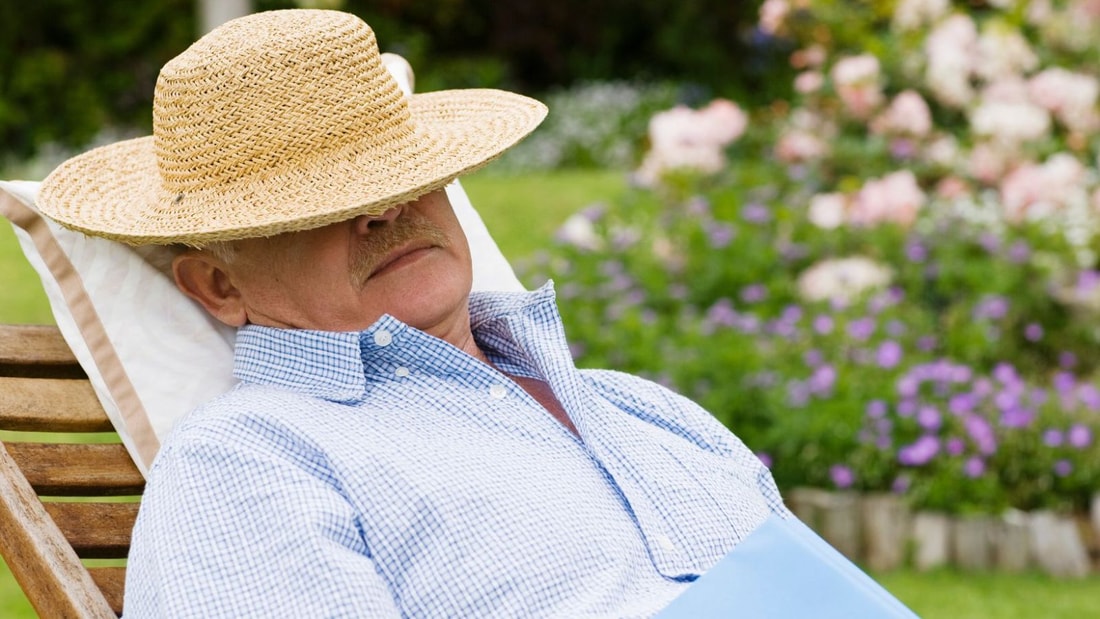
(60, 501)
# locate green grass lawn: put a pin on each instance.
(523, 212)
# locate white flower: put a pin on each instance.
(912, 14)
(842, 279)
(1010, 123)
(1003, 51)
(827, 210)
(951, 52)
(579, 232)
(772, 15)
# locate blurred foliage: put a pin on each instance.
(69, 68)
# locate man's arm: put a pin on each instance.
(239, 526)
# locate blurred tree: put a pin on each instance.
(70, 67)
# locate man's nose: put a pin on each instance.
(364, 223)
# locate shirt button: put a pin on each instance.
(401, 371)
(382, 338)
(665, 543)
(498, 392)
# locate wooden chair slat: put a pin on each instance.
(57, 469)
(111, 581)
(50, 405)
(95, 530)
(36, 350)
(45, 565)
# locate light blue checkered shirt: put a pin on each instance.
(386, 473)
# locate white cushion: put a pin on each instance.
(153, 354)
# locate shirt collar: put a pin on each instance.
(330, 364)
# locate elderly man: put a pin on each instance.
(396, 444)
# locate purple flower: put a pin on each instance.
(907, 386)
(1067, 359)
(954, 446)
(822, 380)
(1006, 374)
(720, 235)
(754, 293)
(916, 252)
(721, 314)
(982, 434)
(896, 328)
(823, 325)
(991, 307)
(842, 476)
(920, 452)
(901, 484)
(889, 354)
(1063, 382)
(1089, 396)
(907, 407)
(974, 467)
(813, 357)
(756, 213)
(1063, 468)
(1033, 332)
(861, 328)
(1019, 253)
(765, 458)
(876, 409)
(929, 418)
(697, 206)
(927, 343)
(1017, 417)
(1079, 436)
(1053, 438)
(962, 403)
(1087, 281)
(798, 393)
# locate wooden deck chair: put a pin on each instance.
(60, 501)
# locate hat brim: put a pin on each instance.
(115, 191)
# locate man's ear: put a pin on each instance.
(205, 279)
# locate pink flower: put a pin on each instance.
(1033, 189)
(1070, 97)
(893, 198)
(908, 114)
(686, 139)
(772, 15)
(987, 163)
(796, 146)
(856, 79)
(809, 82)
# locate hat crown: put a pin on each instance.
(270, 91)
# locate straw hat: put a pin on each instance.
(276, 122)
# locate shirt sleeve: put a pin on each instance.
(240, 526)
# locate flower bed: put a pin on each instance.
(888, 283)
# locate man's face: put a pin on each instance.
(412, 262)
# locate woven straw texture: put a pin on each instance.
(276, 122)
